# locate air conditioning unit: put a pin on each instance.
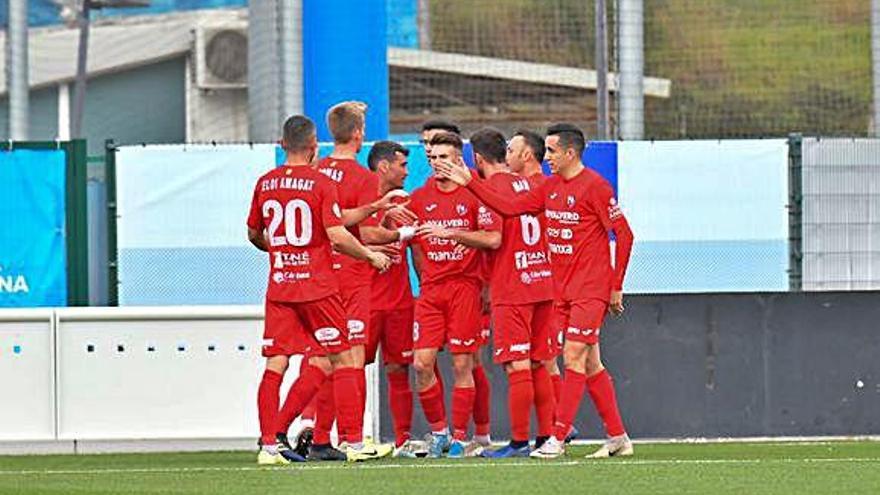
(221, 56)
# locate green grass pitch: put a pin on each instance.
(754, 468)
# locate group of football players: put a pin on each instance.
(502, 243)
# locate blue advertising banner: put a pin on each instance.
(33, 258)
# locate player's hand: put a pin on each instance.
(379, 261)
(615, 306)
(400, 215)
(456, 172)
(395, 197)
(429, 230)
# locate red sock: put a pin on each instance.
(400, 398)
(309, 412)
(433, 406)
(601, 388)
(520, 396)
(267, 405)
(301, 393)
(362, 397)
(462, 409)
(545, 401)
(572, 391)
(440, 381)
(482, 401)
(557, 386)
(326, 408)
(345, 392)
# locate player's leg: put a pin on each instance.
(305, 435)
(356, 302)
(326, 316)
(462, 301)
(600, 386)
(512, 351)
(278, 345)
(542, 353)
(428, 334)
(482, 389)
(396, 338)
(571, 390)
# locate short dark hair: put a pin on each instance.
(533, 141)
(298, 133)
(570, 136)
(448, 138)
(489, 143)
(443, 125)
(384, 150)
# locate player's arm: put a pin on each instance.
(604, 203)
(354, 216)
(480, 239)
(255, 223)
(347, 244)
(376, 235)
(417, 259)
(257, 239)
(506, 204)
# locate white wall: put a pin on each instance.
(146, 374)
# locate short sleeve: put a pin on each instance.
(255, 216)
(368, 193)
(488, 219)
(331, 213)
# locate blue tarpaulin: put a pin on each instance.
(33, 257)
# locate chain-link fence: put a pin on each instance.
(744, 68)
(713, 68)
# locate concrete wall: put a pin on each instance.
(729, 365)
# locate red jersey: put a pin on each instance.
(579, 212)
(356, 186)
(520, 268)
(456, 210)
(295, 206)
(391, 289)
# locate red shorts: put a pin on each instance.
(485, 328)
(448, 314)
(522, 331)
(580, 321)
(356, 301)
(393, 329)
(313, 328)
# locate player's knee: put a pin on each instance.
(278, 364)
(323, 363)
(514, 366)
(463, 366)
(424, 365)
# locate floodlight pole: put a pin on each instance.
(875, 52)
(79, 85)
(601, 70)
(17, 70)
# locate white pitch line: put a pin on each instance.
(471, 465)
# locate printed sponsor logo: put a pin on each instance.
(327, 334)
(561, 248)
(563, 216)
(13, 283)
(566, 234)
(431, 207)
(355, 326)
(520, 347)
(614, 209)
